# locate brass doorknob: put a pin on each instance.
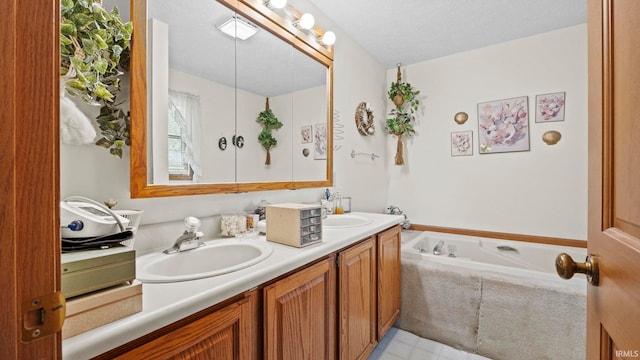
(566, 267)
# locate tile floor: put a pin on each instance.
(402, 345)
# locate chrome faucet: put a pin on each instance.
(452, 250)
(190, 239)
(437, 250)
(394, 210)
(326, 208)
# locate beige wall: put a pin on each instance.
(538, 192)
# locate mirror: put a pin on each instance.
(196, 94)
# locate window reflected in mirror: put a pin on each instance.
(184, 127)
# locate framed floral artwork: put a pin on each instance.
(306, 134)
(462, 143)
(503, 125)
(320, 142)
(550, 107)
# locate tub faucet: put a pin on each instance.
(452, 250)
(437, 250)
(190, 239)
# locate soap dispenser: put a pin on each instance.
(262, 208)
(337, 203)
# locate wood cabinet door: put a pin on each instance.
(230, 333)
(300, 314)
(613, 314)
(29, 180)
(388, 279)
(357, 300)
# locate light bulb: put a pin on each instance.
(306, 21)
(328, 39)
(276, 4)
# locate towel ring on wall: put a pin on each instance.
(365, 127)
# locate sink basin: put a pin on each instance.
(217, 257)
(345, 221)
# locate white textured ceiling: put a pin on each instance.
(392, 31)
(411, 31)
(263, 64)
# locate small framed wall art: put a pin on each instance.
(320, 142)
(306, 134)
(462, 143)
(550, 107)
(503, 125)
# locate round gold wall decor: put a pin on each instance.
(461, 118)
(551, 137)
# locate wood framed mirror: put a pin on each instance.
(194, 88)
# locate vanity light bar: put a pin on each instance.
(302, 22)
(275, 4)
(239, 28)
(306, 22)
(328, 39)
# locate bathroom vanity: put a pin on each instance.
(335, 299)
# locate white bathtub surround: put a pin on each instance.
(488, 251)
(498, 311)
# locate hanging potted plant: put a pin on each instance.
(94, 51)
(405, 99)
(269, 122)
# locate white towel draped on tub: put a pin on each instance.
(496, 315)
(440, 304)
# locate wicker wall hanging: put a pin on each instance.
(364, 119)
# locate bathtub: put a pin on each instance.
(501, 299)
(495, 254)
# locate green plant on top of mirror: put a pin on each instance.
(269, 122)
(401, 122)
(94, 51)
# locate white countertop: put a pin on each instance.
(166, 303)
